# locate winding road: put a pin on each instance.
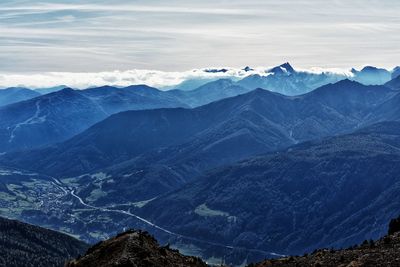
(67, 190)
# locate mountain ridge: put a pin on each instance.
(182, 143)
(16, 94)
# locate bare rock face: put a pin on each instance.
(134, 249)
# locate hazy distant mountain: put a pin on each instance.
(190, 84)
(57, 116)
(331, 193)
(371, 76)
(286, 80)
(16, 94)
(209, 92)
(48, 90)
(24, 245)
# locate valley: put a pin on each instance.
(58, 207)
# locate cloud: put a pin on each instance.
(96, 36)
(159, 79)
(47, 7)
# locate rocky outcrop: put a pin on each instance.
(134, 249)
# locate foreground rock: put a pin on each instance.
(134, 249)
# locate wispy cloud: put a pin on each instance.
(91, 36)
(47, 7)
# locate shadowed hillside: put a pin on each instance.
(23, 245)
(384, 252)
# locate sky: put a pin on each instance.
(179, 35)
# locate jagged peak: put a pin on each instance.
(284, 68)
(288, 67)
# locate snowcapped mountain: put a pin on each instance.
(284, 79)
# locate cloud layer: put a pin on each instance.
(159, 79)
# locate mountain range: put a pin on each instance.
(287, 80)
(222, 167)
(36, 116)
(57, 116)
(179, 144)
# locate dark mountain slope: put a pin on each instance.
(389, 110)
(58, 116)
(335, 192)
(263, 121)
(235, 132)
(27, 245)
(396, 72)
(134, 249)
(394, 84)
(46, 119)
(118, 138)
(16, 94)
